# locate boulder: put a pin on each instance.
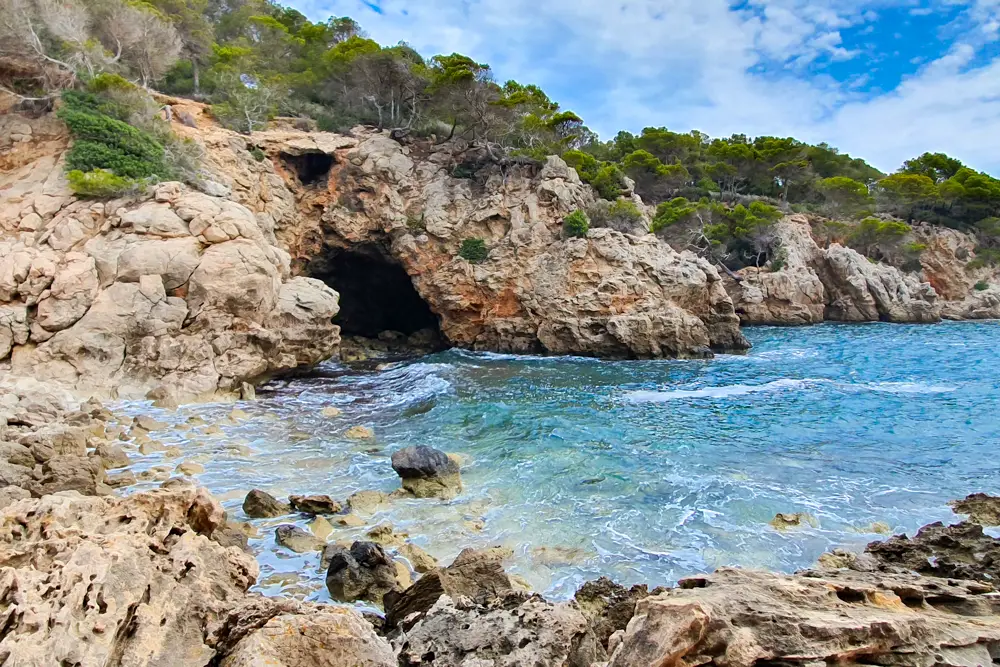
(298, 540)
(421, 561)
(262, 505)
(315, 504)
(363, 572)
(426, 472)
(477, 575)
(113, 456)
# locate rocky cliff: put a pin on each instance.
(837, 283)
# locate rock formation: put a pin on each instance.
(838, 283)
(425, 472)
(177, 293)
(743, 618)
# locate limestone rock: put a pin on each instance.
(478, 575)
(315, 504)
(960, 551)
(609, 606)
(513, 631)
(420, 560)
(262, 505)
(298, 540)
(363, 572)
(312, 637)
(744, 617)
(366, 501)
(359, 433)
(426, 472)
(113, 456)
(981, 508)
(130, 581)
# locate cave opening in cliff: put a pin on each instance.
(377, 296)
(311, 168)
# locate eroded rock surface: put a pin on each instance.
(743, 618)
(834, 283)
(426, 472)
(961, 551)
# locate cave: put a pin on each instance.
(310, 168)
(376, 294)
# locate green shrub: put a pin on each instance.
(779, 260)
(473, 250)
(872, 234)
(622, 216)
(982, 285)
(102, 184)
(984, 257)
(416, 222)
(576, 224)
(670, 213)
(103, 142)
(609, 181)
(107, 81)
(257, 154)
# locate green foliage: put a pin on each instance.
(576, 224)
(873, 236)
(473, 250)
(257, 154)
(103, 142)
(101, 184)
(779, 260)
(622, 215)
(844, 196)
(608, 181)
(982, 286)
(984, 257)
(671, 212)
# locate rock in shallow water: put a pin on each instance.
(298, 540)
(981, 508)
(262, 505)
(315, 504)
(426, 472)
(960, 551)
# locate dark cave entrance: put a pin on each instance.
(310, 168)
(376, 294)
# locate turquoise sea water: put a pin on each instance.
(645, 471)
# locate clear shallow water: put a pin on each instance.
(645, 471)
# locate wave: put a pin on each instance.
(729, 391)
(726, 391)
(909, 388)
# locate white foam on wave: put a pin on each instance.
(726, 391)
(729, 391)
(909, 388)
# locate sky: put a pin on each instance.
(884, 80)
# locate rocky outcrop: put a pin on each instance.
(834, 283)
(981, 508)
(516, 629)
(112, 581)
(177, 294)
(960, 551)
(610, 294)
(743, 618)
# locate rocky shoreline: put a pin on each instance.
(161, 577)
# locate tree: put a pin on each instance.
(844, 196)
(877, 238)
(248, 105)
(904, 193)
(194, 30)
(936, 166)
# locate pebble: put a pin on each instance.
(359, 433)
(189, 468)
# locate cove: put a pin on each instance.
(644, 471)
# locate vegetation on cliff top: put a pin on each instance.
(253, 59)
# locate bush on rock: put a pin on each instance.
(576, 225)
(473, 250)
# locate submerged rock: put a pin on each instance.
(367, 501)
(262, 505)
(426, 472)
(359, 433)
(784, 521)
(363, 572)
(981, 508)
(298, 540)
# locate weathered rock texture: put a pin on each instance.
(961, 551)
(609, 295)
(177, 292)
(834, 283)
(743, 618)
(111, 581)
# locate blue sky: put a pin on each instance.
(882, 80)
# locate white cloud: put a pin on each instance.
(700, 64)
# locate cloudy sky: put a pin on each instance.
(884, 80)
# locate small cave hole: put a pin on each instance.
(310, 168)
(851, 595)
(377, 297)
